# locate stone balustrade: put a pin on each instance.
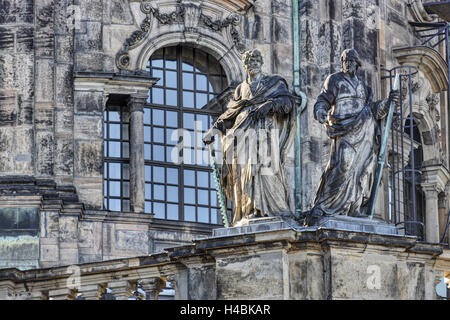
(305, 263)
(119, 278)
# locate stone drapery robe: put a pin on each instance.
(255, 150)
(346, 184)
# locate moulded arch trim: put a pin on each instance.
(419, 13)
(427, 60)
(425, 126)
(228, 58)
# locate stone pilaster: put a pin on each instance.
(38, 295)
(137, 182)
(68, 239)
(92, 292)
(49, 234)
(62, 294)
(435, 180)
(447, 211)
(431, 214)
(179, 283)
(6, 290)
(122, 289)
(152, 287)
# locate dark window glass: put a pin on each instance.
(415, 204)
(116, 167)
(178, 179)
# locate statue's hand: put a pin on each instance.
(394, 96)
(322, 116)
(207, 139)
(264, 110)
(220, 125)
(209, 135)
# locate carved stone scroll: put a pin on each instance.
(188, 14)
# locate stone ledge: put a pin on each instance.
(285, 238)
(357, 225)
(253, 226)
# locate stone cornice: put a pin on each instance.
(427, 60)
(118, 217)
(39, 193)
(133, 83)
(435, 177)
(172, 259)
(205, 255)
(443, 261)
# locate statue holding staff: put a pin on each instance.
(346, 108)
(257, 133)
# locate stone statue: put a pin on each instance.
(346, 108)
(257, 130)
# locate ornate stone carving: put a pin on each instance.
(231, 21)
(164, 18)
(135, 39)
(218, 25)
(189, 14)
(433, 100)
(428, 61)
(192, 15)
(419, 13)
(235, 35)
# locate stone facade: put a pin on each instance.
(278, 264)
(61, 62)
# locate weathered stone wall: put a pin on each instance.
(89, 105)
(309, 264)
(355, 266)
(17, 67)
(19, 238)
(44, 225)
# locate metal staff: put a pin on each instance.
(382, 153)
(220, 196)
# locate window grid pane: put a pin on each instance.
(116, 167)
(185, 191)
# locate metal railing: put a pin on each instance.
(404, 161)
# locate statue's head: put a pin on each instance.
(252, 61)
(350, 61)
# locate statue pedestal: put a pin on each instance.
(340, 258)
(252, 226)
(343, 223)
(357, 224)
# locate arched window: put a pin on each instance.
(180, 185)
